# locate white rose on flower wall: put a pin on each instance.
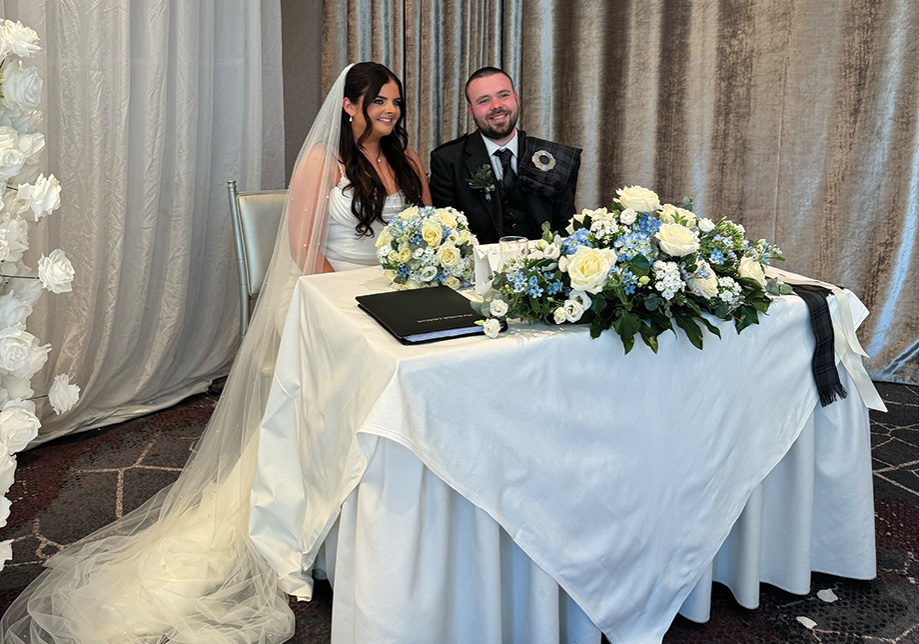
(63, 395)
(18, 425)
(7, 471)
(55, 272)
(44, 195)
(23, 190)
(14, 239)
(20, 353)
(13, 310)
(18, 39)
(21, 86)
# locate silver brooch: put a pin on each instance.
(543, 160)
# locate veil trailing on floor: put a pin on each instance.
(181, 568)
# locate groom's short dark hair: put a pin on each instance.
(482, 73)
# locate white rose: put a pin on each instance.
(573, 310)
(638, 198)
(703, 282)
(11, 162)
(670, 214)
(7, 472)
(559, 315)
(431, 232)
(18, 39)
(63, 395)
(21, 121)
(452, 282)
(43, 195)
(21, 87)
(492, 327)
(448, 255)
(18, 425)
(385, 238)
(411, 285)
(628, 216)
(20, 353)
(599, 214)
(752, 268)
(9, 137)
(17, 388)
(552, 251)
(588, 268)
(13, 310)
(677, 240)
(563, 263)
(14, 239)
(498, 308)
(706, 225)
(55, 272)
(31, 146)
(385, 251)
(446, 217)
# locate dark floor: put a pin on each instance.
(67, 488)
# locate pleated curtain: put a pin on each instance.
(798, 119)
(150, 107)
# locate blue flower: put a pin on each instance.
(577, 238)
(632, 244)
(518, 281)
(716, 257)
(629, 281)
(555, 287)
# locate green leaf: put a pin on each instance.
(649, 336)
(690, 328)
(640, 265)
(711, 327)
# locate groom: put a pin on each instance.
(507, 183)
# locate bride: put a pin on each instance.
(181, 568)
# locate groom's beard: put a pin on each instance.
(497, 130)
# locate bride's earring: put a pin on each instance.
(350, 119)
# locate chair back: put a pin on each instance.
(256, 218)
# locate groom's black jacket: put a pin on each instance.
(541, 194)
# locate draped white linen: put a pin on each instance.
(150, 107)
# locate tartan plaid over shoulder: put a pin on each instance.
(545, 167)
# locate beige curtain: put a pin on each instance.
(796, 118)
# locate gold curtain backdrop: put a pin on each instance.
(796, 118)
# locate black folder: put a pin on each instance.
(422, 315)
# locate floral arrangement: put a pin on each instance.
(638, 268)
(25, 196)
(427, 247)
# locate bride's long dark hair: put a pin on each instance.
(365, 80)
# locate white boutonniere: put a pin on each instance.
(543, 160)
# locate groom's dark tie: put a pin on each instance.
(510, 177)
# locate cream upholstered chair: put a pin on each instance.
(256, 218)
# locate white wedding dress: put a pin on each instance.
(345, 250)
(182, 568)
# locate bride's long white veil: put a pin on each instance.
(181, 568)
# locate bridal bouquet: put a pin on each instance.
(26, 196)
(427, 247)
(639, 268)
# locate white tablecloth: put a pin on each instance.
(619, 477)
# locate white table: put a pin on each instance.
(544, 487)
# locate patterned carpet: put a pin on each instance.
(69, 487)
